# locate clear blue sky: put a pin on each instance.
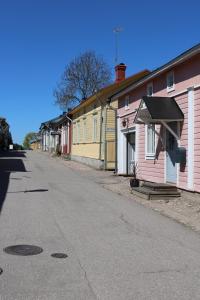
(39, 37)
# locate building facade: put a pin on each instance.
(94, 124)
(56, 135)
(159, 124)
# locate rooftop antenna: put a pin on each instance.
(116, 31)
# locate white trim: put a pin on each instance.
(149, 156)
(178, 164)
(190, 179)
(126, 102)
(137, 134)
(170, 88)
(165, 156)
(122, 147)
(150, 85)
(84, 130)
(119, 148)
(94, 136)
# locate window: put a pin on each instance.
(94, 128)
(74, 133)
(170, 81)
(84, 130)
(150, 89)
(78, 133)
(126, 102)
(150, 141)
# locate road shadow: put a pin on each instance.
(30, 191)
(10, 162)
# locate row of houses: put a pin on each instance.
(151, 118)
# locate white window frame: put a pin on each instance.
(126, 102)
(149, 85)
(170, 88)
(84, 129)
(149, 155)
(95, 128)
(74, 133)
(78, 132)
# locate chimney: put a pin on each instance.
(120, 72)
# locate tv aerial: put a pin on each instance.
(117, 31)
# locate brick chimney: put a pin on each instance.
(120, 72)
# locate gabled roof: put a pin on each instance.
(177, 60)
(158, 109)
(54, 122)
(109, 90)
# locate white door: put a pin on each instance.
(130, 152)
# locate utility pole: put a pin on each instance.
(116, 31)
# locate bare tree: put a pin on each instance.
(82, 77)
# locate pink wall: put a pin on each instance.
(197, 141)
(186, 75)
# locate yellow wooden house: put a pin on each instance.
(94, 130)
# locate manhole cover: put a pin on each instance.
(23, 250)
(1, 271)
(59, 255)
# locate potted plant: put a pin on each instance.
(134, 182)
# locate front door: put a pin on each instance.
(130, 152)
(171, 152)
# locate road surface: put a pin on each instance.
(116, 248)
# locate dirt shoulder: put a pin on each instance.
(185, 209)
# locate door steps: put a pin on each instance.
(156, 191)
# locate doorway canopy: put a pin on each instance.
(159, 110)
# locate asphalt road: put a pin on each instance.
(117, 249)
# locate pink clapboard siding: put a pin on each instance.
(197, 141)
(145, 167)
(186, 75)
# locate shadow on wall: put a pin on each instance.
(10, 162)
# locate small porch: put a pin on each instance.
(154, 191)
(165, 114)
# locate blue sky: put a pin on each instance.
(39, 37)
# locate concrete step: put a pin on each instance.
(149, 194)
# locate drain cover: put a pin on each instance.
(23, 250)
(59, 255)
(1, 271)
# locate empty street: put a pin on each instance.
(115, 248)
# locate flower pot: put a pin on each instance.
(134, 182)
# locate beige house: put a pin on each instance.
(94, 131)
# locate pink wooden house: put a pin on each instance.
(159, 124)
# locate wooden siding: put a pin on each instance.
(197, 140)
(145, 166)
(187, 75)
(83, 141)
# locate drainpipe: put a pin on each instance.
(105, 143)
(69, 134)
(101, 116)
(115, 111)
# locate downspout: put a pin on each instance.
(105, 141)
(115, 111)
(70, 133)
(100, 136)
